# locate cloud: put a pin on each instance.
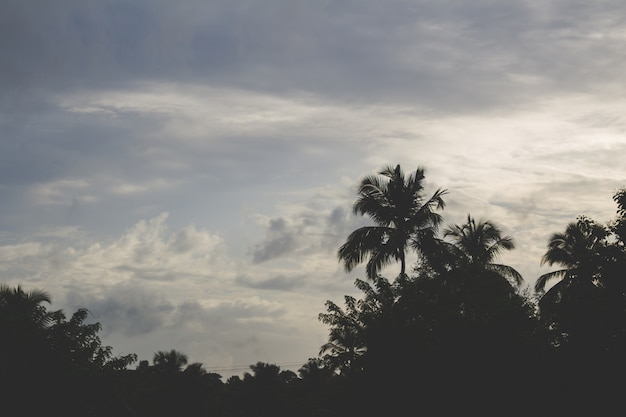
(147, 251)
(445, 55)
(155, 283)
(278, 241)
(125, 308)
(280, 282)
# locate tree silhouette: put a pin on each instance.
(77, 344)
(476, 245)
(579, 248)
(24, 309)
(59, 362)
(619, 225)
(314, 371)
(585, 310)
(397, 206)
(346, 341)
(195, 370)
(24, 322)
(169, 362)
(264, 373)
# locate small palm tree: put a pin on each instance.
(314, 370)
(195, 369)
(169, 362)
(269, 374)
(579, 247)
(476, 245)
(401, 215)
(25, 308)
(343, 350)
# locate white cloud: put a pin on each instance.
(63, 192)
(153, 284)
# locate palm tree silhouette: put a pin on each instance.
(25, 308)
(476, 245)
(269, 374)
(396, 205)
(314, 371)
(578, 248)
(169, 362)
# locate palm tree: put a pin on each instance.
(585, 309)
(314, 371)
(476, 245)
(24, 326)
(195, 369)
(169, 362)
(401, 215)
(343, 350)
(577, 248)
(24, 308)
(268, 374)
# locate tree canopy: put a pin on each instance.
(401, 213)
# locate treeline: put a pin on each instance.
(456, 333)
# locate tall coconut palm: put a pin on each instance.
(578, 247)
(476, 245)
(401, 215)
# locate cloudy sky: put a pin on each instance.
(186, 169)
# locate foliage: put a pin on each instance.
(169, 362)
(581, 247)
(59, 361)
(78, 345)
(476, 245)
(401, 215)
(346, 340)
(585, 311)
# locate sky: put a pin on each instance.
(186, 170)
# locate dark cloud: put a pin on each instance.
(451, 53)
(280, 240)
(277, 283)
(338, 225)
(124, 309)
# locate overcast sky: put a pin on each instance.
(186, 170)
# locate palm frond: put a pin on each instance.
(437, 199)
(497, 246)
(507, 272)
(378, 260)
(543, 280)
(360, 244)
(437, 253)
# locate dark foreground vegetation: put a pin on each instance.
(457, 334)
